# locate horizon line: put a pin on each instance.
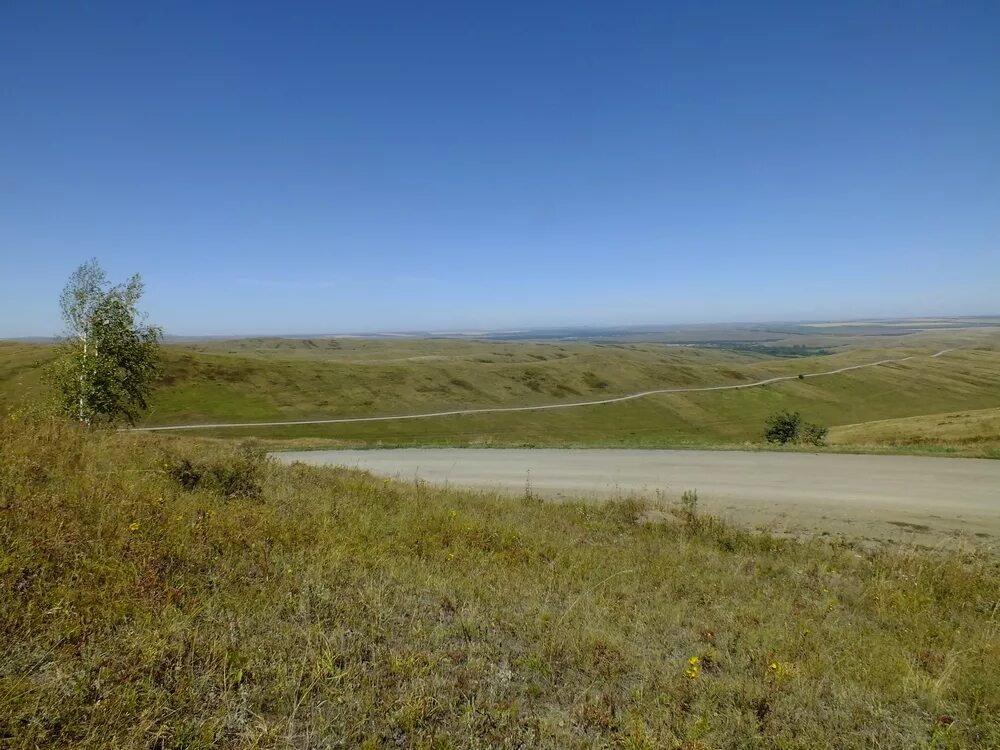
(476, 332)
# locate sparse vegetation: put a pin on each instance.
(336, 609)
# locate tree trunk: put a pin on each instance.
(83, 371)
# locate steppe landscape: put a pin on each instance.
(525, 375)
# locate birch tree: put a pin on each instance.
(109, 357)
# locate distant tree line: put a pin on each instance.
(795, 350)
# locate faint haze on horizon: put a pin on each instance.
(452, 166)
(692, 332)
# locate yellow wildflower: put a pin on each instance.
(694, 666)
(779, 670)
(134, 526)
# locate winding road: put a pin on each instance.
(539, 407)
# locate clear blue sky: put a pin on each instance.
(350, 166)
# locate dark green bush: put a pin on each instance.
(783, 427)
(788, 427)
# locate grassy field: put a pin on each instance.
(21, 373)
(978, 429)
(253, 380)
(966, 379)
(167, 594)
(285, 379)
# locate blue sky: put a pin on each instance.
(359, 166)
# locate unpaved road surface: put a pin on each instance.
(866, 496)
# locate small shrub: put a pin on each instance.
(689, 504)
(788, 427)
(783, 427)
(688, 512)
(813, 434)
(185, 473)
(230, 476)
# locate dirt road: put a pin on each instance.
(866, 496)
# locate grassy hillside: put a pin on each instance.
(256, 380)
(977, 429)
(965, 379)
(161, 594)
(286, 379)
(210, 387)
(21, 373)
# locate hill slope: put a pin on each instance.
(961, 379)
(160, 594)
(977, 428)
(275, 379)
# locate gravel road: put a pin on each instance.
(869, 496)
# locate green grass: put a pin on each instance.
(966, 380)
(325, 608)
(257, 380)
(282, 379)
(211, 387)
(21, 373)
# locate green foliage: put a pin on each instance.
(813, 434)
(783, 427)
(787, 427)
(106, 366)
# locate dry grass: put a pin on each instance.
(977, 431)
(304, 607)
